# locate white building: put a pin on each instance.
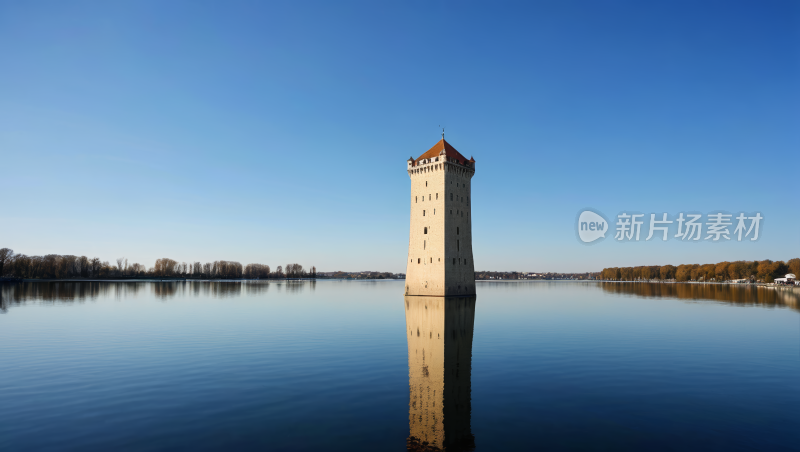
(788, 279)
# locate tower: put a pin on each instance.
(440, 240)
(439, 332)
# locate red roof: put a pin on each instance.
(449, 151)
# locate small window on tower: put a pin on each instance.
(451, 196)
(423, 213)
(429, 197)
(437, 195)
(426, 230)
(456, 231)
(426, 183)
(454, 261)
(415, 198)
(418, 260)
(431, 260)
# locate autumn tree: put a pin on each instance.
(683, 273)
(668, 272)
(766, 271)
(793, 265)
(739, 270)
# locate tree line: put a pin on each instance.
(56, 266)
(757, 271)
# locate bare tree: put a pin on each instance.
(256, 271)
(84, 266)
(165, 267)
(94, 267)
(294, 271)
(6, 254)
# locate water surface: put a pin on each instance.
(336, 365)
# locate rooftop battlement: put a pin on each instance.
(440, 164)
(441, 152)
(442, 156)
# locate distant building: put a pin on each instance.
(440, 241)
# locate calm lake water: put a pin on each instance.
(337, 365)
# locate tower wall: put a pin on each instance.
(440, 260)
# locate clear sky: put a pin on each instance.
(278, 132)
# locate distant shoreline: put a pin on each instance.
(118, 280)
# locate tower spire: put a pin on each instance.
(442, 132)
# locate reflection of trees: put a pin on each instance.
(125, 289)
(164, 290)
(64, 292)
(295, 286)
(56, 291)
(742, 295)
(439, 332)
(68, 291)
(255, 287)
(224, 289)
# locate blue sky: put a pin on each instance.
(277, 132)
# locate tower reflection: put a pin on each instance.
(439, 332)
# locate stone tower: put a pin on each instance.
(440, 241)
(439, 332)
